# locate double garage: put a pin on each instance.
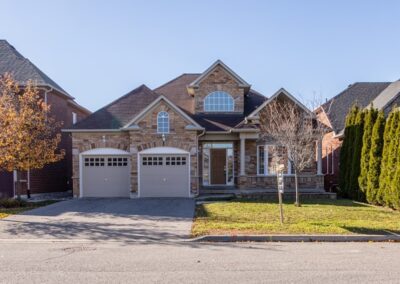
(162, 172)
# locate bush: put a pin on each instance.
(12, 203)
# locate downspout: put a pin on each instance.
(198, 162)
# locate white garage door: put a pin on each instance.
(105, 176)
(164, 175)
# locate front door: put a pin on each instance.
(218, 166)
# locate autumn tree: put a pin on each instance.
(296, 129)
(27, 131)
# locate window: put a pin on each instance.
(117, 162)
(269, 156)
(175, 161)
(152, 161)
(163, 122)
(74, 118)
(94, 162)
(219, 102)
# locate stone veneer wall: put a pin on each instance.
(219, 80)
(82, 142)
(308, 179)
(136, 141)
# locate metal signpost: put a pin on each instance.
(281, 186)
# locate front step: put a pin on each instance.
(264, 194)
(216, 197)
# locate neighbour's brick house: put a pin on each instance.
(195, 132)
(381, 95)
(54, 177)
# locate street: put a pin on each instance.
(186, 262)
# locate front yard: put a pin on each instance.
(13, 206)
(313, 217)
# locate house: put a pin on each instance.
(54, 177)
(194, 132)
(381, 95)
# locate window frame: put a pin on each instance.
(265, 162)
(74, 117)
(161, 128)
(219, 98)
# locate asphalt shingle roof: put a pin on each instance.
(360, 94)
(118, 113)
(23, 69)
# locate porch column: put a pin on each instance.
(319, 157)
(242, 156)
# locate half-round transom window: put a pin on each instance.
(162, 122)
(219, 101)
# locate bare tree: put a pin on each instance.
(295, 128)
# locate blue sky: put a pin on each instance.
(100, 50)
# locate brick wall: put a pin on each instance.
(136, 141)
(219, 80)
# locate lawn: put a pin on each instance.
(18, 207)
(313, 217)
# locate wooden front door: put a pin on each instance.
(218, 166)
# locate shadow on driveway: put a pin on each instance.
(104, 220)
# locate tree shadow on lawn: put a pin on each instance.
(370, 231)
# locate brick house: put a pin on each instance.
(197, 131)
(381, 95)
(54, 177)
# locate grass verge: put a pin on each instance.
(21, 207)
(252, 217)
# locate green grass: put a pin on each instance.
(313, 217)
(4, 212)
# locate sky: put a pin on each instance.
(100, 50)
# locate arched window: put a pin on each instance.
(163, 122)
(219, 101)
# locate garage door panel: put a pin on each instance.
(164, 176)
(106, 176)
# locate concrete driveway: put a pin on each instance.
(104, 220)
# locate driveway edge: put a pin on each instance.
(298, 238)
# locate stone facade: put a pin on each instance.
(138, 140)
(219, 80)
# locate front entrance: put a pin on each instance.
(218, 163)
(218, 166)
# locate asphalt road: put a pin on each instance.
(179, 262)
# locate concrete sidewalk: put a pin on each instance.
(299, 238)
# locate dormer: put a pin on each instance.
(219, 90)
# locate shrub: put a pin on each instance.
(12, 203)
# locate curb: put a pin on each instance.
(299, 238)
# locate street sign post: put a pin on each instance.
(281, 187)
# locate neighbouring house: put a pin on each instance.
(381, 95)
(54, 177)
(195, 132)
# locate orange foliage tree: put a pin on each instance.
(28, 138)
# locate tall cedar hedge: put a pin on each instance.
(375, 157)
(346, 153)
(370, 157)
(369, 120)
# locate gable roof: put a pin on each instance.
(176, 91)
(242, 83)
(118, 113)
(281, 91)
(23, 70)
(360, 94)
(153, 104)
(387, 96)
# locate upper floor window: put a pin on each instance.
(219, 101)
(74, 118)
(163, 122)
